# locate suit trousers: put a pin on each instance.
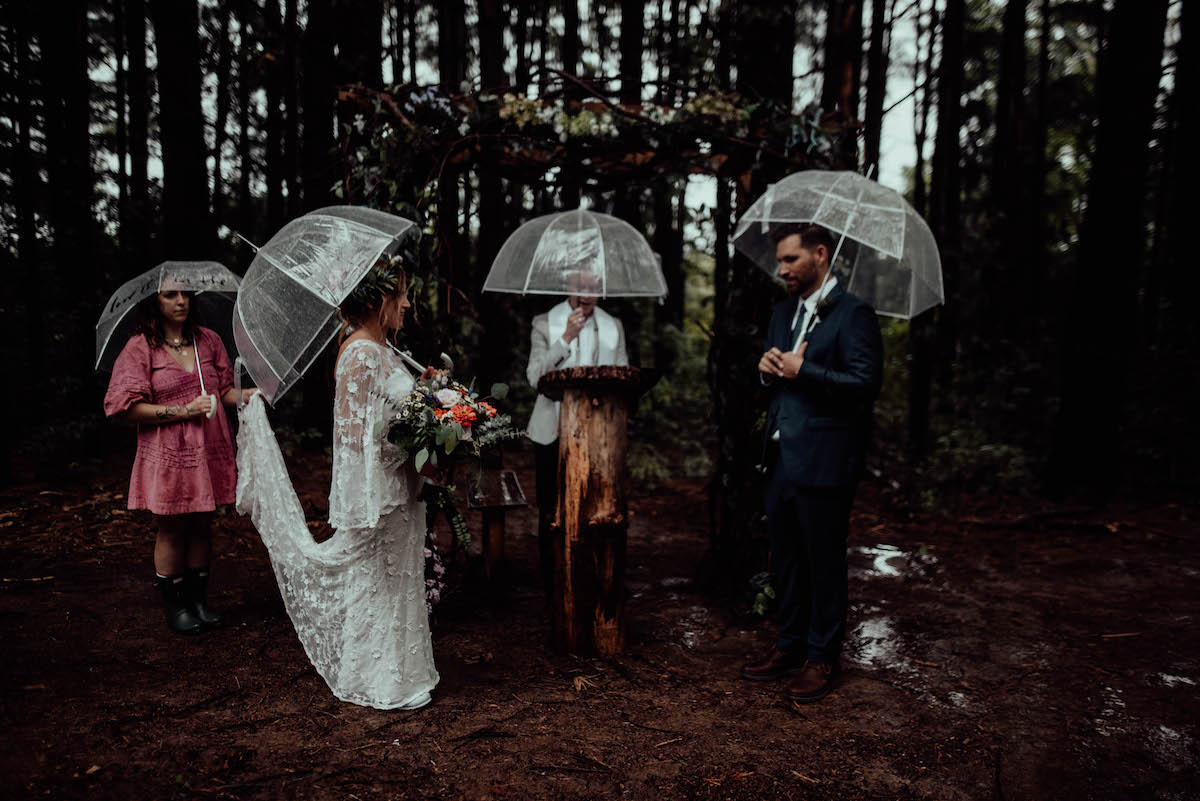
(807, 529)
(545, 462)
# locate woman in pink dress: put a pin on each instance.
(185, 462)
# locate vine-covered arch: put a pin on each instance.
(517, 156)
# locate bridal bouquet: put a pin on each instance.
(443, 422)
(441, 416)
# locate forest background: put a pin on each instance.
(1051, 143)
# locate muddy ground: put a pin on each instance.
(999, 650)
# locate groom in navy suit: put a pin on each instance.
(822, 390)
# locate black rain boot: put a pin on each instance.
(179, 614)
(196, 583)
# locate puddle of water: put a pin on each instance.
(694, 622)
(1174, 681)
(960, 700)
(1171, 748)
(1110, 721)
(888, 561)
(874, 642)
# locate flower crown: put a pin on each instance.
(380, 281)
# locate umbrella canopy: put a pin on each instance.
(892, 261)
(286, 312)
(215, 287)
(557, 253)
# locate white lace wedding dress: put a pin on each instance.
(357, 600)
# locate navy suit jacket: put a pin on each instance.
(823, 415)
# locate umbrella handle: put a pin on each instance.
(809, 322)
(238, 367)
(416, 365)
(212, 406)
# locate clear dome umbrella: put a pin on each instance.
(212, 306)
(891, 261)
(548, 254)
(286, 312)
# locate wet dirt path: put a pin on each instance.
(1043, 652)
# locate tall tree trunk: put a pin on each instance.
(766, 41)
(247, 78)
(291, 91)
(410, 7)
(543, 45)
(187, 224)
(569, 46)
(843, 68)
(877, 70)
(852, 27)
(319, 101)
(923, 81)
(318, 98)
(121, 102)
(1010, 178)
(831, 76)
(659, 41)
(569, 53)
(452, 72)
(842, 74)
(360, 51)
(932, 336)
(30, 274)
(625, 203)
(491, 44)
(396, 39)
(603, 35)
(273, 166)
(1038, 227)
(1181, 282)
(224, 67)
(492, 219)
(63, 39)
(1185, 174)
(725, 42)
(452, 45)
(65, 90)
(672, 55)
(521, 39)
(764, 38)
(920, 337)
(135, 235)
(632, 34)
(668, 243)
(1088, 443)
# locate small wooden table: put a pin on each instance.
(494, 491)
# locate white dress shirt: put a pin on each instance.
(811, 321)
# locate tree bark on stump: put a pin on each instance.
(589, 531)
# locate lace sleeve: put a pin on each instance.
(364, 488)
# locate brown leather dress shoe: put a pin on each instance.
(814, 682)
(776, 666)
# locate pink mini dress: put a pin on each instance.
(181, 467)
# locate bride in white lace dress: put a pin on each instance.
(357, 600)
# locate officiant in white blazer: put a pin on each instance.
(575, 333)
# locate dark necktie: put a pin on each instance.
(798, 327)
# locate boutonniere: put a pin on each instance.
(826, 304)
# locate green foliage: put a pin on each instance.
(672, 435)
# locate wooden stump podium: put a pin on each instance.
(590, 524)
